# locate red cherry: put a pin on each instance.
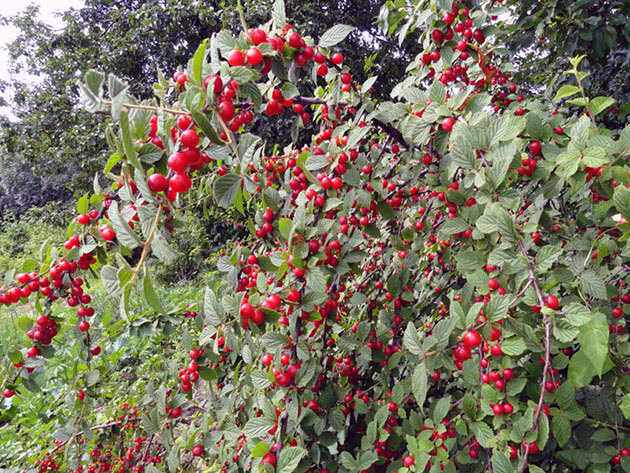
(236, 58)
(8, 393)
(269, 459)
(157, 183)
(496, 350)
(447, 124)
(462, 353)
(498, 409)
(283, 379)
(552, 302)
(535, 148)
(189, 138)
(81, 395)
(471, 339)
(254, 56)
(409, 460)
(337, 58)
(493, 284)
(197, 450)
(83, 219)
(180, 182)
(247, 310)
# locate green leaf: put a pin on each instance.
(470, 260)
(595, 156)
(581, 371)
(128, 147)
(274, 340)
(625, 406)
(124, 233)
(454, 225)
(593, 338)
(335, 35)
(198, 59)
(579, 132)
(109, 275)
(593, 285)
(258, 427)
(260, 380)
(484, 434)
(561, 429)
(501, 462)
(599, 104)
(411, 340)
(204, 123)
(419, 383)
(566, 91)
(577, 314)
(212, 310)
(278, 14)
(547, 256)
(149, 293)
(83, 205)
(225, 189)
(565, 395)
(285, 225)
(621, 198)
(289, 458)
(513, 346)
(94, 81)
(162, 249)
(260, 450)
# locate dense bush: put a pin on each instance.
(436, 282)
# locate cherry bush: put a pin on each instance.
(431, 283)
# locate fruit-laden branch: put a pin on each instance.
(547, 323)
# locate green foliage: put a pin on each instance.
(434, 280)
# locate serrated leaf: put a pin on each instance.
(289, 458)
(257, 427)
(501, 462)
(335, 35)
(561, 429)
(454, 225)
(577, 314)
(566, 91)
(411, 341)
(260, 380)
(278, 14)
(599, 104)
(513, 346)
(124, 233)
(198, 59)
(162, 249)
(483, 433)
(547, 256)
(419, 383)
(150, 294)
(225, 189)
(593, 285)
(593, 338)
(128, 146)
(621, 198)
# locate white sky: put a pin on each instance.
(47, 9)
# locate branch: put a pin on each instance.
(547, 322)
